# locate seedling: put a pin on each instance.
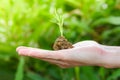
(59, 21)
(61, 42)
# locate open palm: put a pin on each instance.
(84, 53)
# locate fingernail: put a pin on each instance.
(22, 51)
(20, 47)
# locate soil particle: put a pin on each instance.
(62, 43)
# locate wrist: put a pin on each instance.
(111, 59)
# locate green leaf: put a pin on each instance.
(89, 73)
(102, 72)
(113, 20)
(115, 75)
(19, 74)
(111, 31)
(34, 76)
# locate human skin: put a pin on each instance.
(85, 53)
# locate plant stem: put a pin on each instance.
(77, 73)
(61, 72)
(61, 30)
(60, 21)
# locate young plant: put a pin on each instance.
(61, 42)
(59, 20)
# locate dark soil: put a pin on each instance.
(62, 43)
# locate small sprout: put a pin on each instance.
(61, 42)
(59, 20)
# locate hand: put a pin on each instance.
(84, 53)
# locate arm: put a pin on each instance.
(84, 53)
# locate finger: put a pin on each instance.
(63, 66)
(56, 62)
(39, 53)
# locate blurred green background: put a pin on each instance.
(28, 23)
